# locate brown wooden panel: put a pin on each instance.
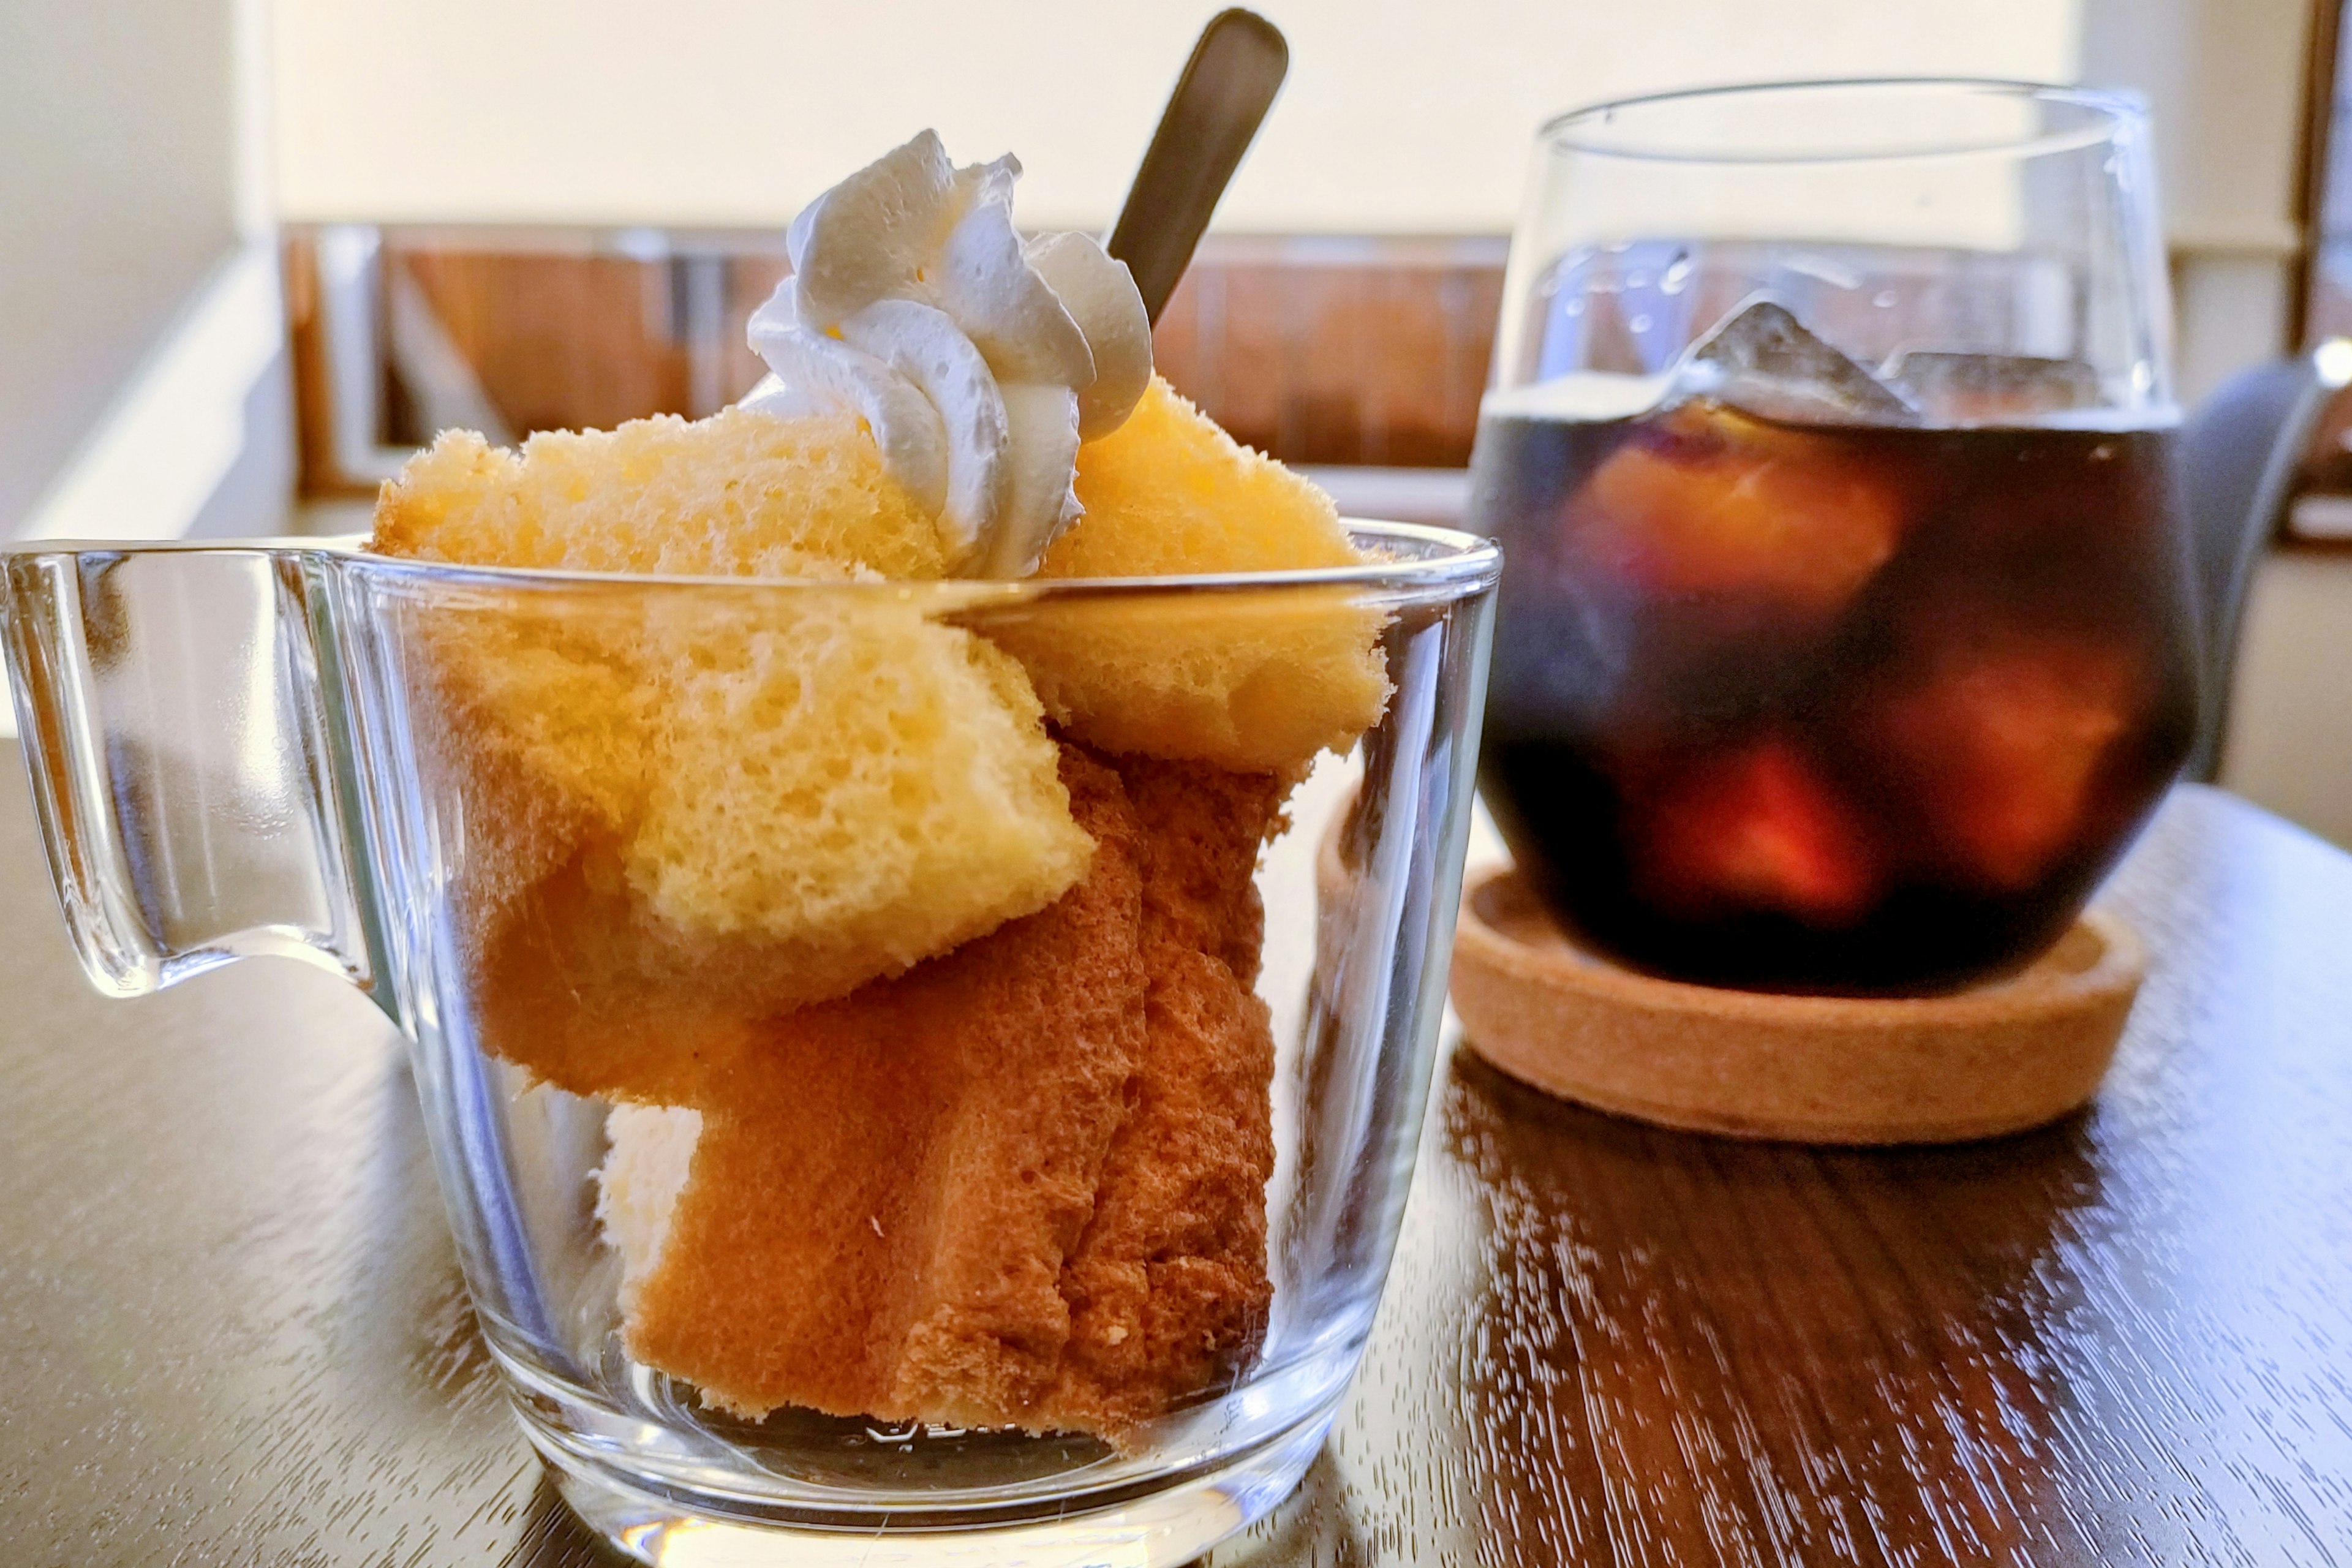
(1377, 357)
(1315, 351)
(750, 280)
(318, 473)
(558, 342)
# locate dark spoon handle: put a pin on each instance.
(1219, 101)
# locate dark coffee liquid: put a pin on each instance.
(1830, 708)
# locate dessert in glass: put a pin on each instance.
(921, 899)
(1846, 639)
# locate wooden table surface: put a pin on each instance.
(232, 1330)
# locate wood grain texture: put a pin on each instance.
(1355, 351)
(2125, 1339)
(1337, 350)
(232, 1330)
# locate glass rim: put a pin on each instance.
(1455, 560)
(2112, 114)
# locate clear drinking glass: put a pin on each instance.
(311, 752)
(1846, 638)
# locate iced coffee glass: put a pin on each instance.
(1846, 638)
(319, 754)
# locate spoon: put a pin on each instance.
(1219, 101)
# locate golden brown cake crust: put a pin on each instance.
(1168, 1287)
(886, 1186)
(1022, 1185)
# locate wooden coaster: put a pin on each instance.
(2003, 1056)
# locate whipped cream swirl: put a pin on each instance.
(979, 361)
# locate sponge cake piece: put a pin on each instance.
(638, 1185)
(1255, 682)
(818, 788)
(1168, 1288)
(740, 494)
(886, 1186)
(940, 1080)
(1023, 1184)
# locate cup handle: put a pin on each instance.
(191, 769)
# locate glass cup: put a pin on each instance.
(320, 753)
(1847, 637)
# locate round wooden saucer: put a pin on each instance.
(2002, 1057)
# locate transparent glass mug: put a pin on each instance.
(239, 750)
(1847, 638)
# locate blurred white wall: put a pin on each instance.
(2225, 78)
(2224, 81)
(2290, 741)
(116, 201)
(1399, 115)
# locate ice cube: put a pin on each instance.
(1760, 828)
(1705, 502)
(1762, 360)
(2001, 741)
(1991, 389)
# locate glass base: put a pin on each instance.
(676, 1528)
